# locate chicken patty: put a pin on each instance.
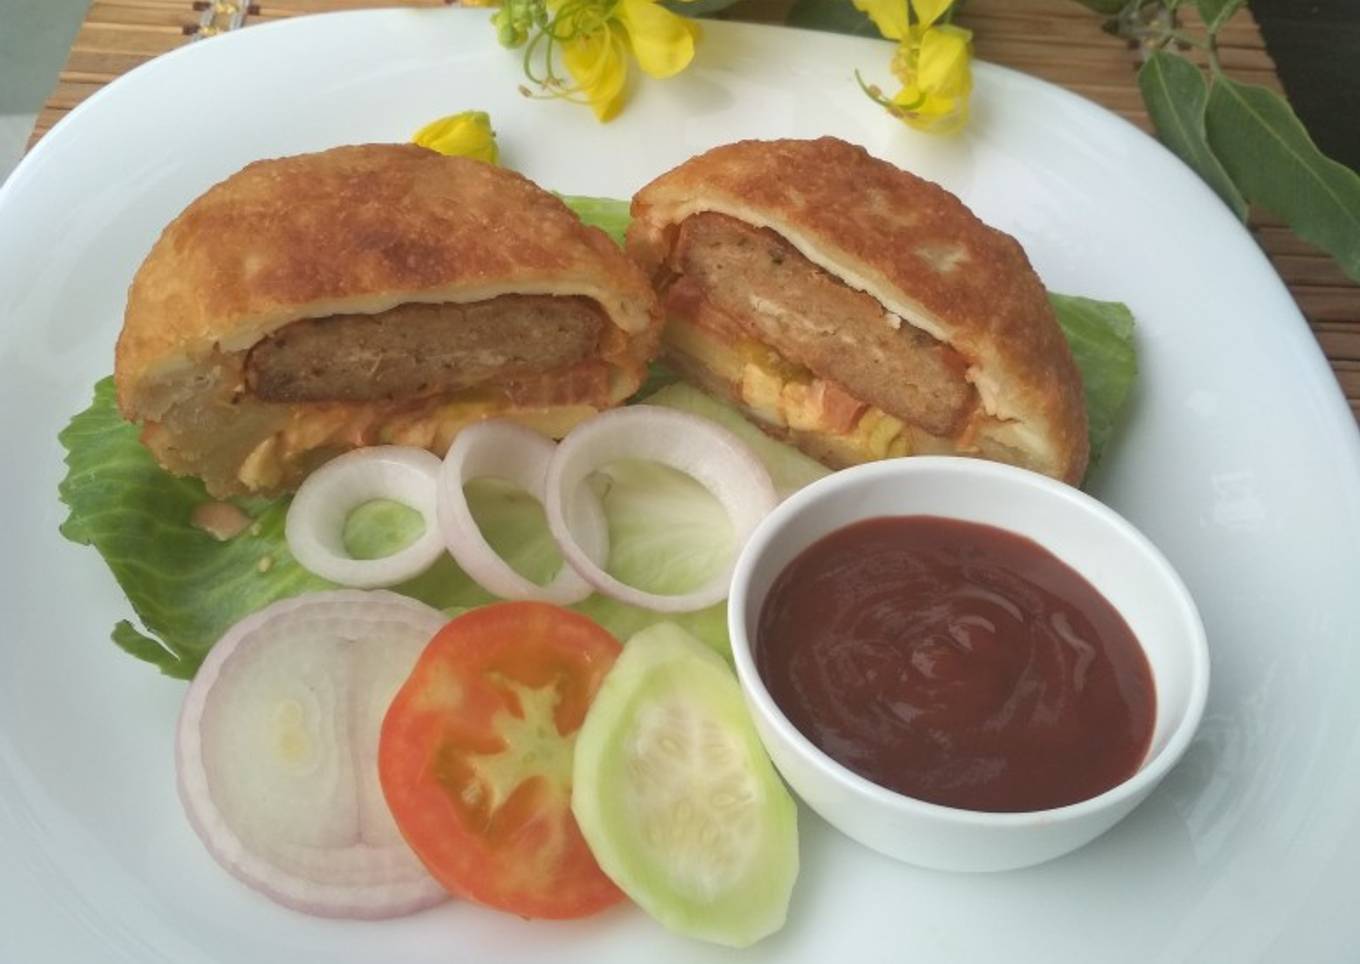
(416, 350)
(760, 282)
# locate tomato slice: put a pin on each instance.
(475, 758)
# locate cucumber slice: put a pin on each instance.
(676, 797)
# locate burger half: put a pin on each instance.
(371, 294)
(856, 309)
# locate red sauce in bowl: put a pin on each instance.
(956, 663)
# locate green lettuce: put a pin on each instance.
(181, 581)
(667, 533)
(1100, 334)
(609, 214)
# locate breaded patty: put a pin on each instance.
(414, 350)
(758, 279)
(914, 249)
(365, 295)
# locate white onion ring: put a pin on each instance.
(710, 454)
(504, 450)
(277, 752)
(316, 520)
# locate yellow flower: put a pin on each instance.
(662, 42)
(933, 64)
(595, 53)
(468, 134)
(597, 36)
(889, 16)
(932, 61)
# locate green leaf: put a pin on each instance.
(1175, 92)
(1275, 163)
(667, 534)
(608, 214)
(1100, 334)
(129, 640)
(185, 587)
(1215, 13)
(833, 16)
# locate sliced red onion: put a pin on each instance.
(316, 519)
(710, 454)
(277, 752)
(504, 450)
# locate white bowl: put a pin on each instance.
(1113, 556)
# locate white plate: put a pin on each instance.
(1240, 460)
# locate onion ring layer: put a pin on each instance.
(276, 752)
(316, 519)
(504, 450)
(710, 454)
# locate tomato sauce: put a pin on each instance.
(956, 663)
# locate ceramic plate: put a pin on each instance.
(1239, 459)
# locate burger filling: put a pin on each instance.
(416, 350)
(736, 290)
(413, 375)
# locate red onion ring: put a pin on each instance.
(710, 454)
(276, 752)
(504, 450)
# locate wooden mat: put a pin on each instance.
(1057, 40)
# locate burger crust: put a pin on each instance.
(355, 230)
(920, 253)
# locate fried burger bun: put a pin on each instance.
(856, 309)
(378, 293)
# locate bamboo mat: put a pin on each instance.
(1057, 40)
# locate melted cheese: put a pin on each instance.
(780, 393)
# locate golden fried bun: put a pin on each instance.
(379, 293)
(857, 309)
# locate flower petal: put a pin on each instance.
(909, 98)
(598, 62)
(663, 42)
(943, 65)
(468, 134)
(889, 16)
(934, 113)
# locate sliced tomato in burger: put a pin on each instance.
(475, 758)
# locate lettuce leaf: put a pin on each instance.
(1100, 334)
(180, 580)
(186, 588)
(609, 214)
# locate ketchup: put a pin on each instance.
(956, 663)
